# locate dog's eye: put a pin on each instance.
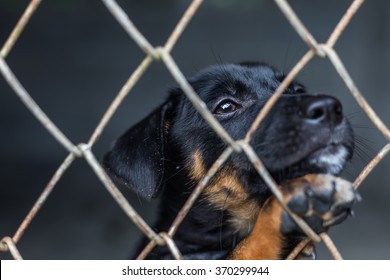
(226, 107)
(299, 89)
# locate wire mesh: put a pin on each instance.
(163, 53)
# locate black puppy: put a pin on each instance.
(170, 151)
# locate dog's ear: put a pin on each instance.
(137, 157)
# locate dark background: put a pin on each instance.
(74, 57)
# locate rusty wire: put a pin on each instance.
(43, 197)
(23, 21)
(295, 252)
(157, 53)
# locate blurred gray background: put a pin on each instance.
(74, 57)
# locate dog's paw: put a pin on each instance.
(321, 200)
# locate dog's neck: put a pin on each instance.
(196, 233)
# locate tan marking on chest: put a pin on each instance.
(227, 192)
(265, 241)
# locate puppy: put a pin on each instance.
(167, 154)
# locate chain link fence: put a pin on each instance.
(163, 54)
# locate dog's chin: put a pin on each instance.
(329, 159)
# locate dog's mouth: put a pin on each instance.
(328, 159)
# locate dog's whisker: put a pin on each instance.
(176, 173)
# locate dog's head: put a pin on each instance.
(303, 133)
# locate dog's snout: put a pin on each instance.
(322, 109)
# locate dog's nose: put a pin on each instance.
(322, 109)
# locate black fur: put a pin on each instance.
(304, 133)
